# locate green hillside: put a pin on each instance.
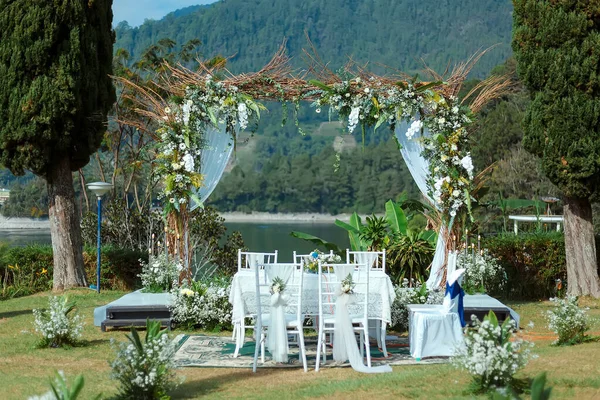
(396, 33)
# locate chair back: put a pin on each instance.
(248, 260)
(295, 290)
(376, 259)
(330, 279)
(451, 303)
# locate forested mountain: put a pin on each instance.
(280, 170)
(396, 33)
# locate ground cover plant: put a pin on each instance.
(572, 371)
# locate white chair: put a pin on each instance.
(293, 277)
(329, 286)
(436, 331)
(376, 260)
(247, 259)
(247, 262)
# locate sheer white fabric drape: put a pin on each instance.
(344, 340)
(366, 258)
(418, 166)
(214, 156)
(277, 340)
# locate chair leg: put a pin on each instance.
(325, 348)
(302, 348)
(382, 338)
(362, 343)
(368, 347)
(378, 333)
(233, 334)
(319, 348)
(255, 361)
(262, 347)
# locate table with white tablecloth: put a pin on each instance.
(243, 295)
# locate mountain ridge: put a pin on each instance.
(396, 33)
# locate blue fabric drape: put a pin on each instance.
(456, 290)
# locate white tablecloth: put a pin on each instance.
(243, 295)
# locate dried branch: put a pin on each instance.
(489, 89)
(278, 81)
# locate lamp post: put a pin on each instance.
(99, 189)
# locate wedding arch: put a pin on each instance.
(199, 114)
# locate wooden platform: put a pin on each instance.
(481, 304)
(134, 309)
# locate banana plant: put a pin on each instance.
(354, 229)
(319, 242)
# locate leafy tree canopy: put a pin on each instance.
(55, 90)
(557, 46)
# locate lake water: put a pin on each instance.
(258, 237)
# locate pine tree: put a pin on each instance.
(557, 47)
(55, 92)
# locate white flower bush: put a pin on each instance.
(483, 272)
(568, 321)
(491, 353)
(160, 273)
(415, 294)
(203, 304)
(145, 368)
(59, 325)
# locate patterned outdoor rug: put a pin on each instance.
(212, 351)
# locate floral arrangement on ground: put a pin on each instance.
(414, 292)
(492, 353)
(160, 273)
(59, 324)
(145, 368)
(568, 321)
(483, 274)
(202, 304)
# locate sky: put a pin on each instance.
(136, 11)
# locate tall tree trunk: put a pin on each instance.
(65, 229)
(580, 248)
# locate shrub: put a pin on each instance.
(25, 270)
(120, 268)
(123, 226)
(483, 273)
(160, 273)
(28, 270)
(415, 294)
(57, 324)
(203, 304)
(568, 321)
(409, 255)
(208, 236)
(491, 353)
(144, 369)
(532, 262)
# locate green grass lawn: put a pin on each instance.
(574, 372)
